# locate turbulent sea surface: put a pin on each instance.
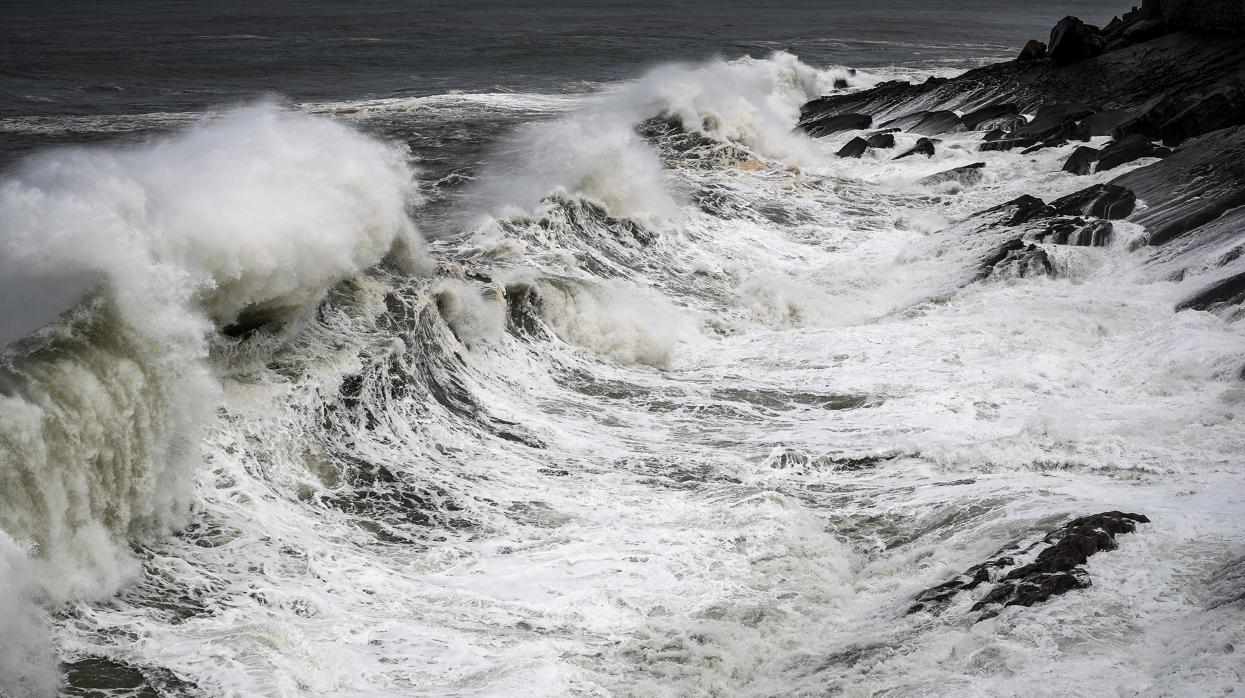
(523, 349)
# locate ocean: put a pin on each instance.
(515, 348)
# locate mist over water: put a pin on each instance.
(555, 363)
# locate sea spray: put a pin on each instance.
(257, 211)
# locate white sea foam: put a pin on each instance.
(257, 211)
(411, 500)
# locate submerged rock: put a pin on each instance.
(924, 146)
(966, 174)
(1055, 570)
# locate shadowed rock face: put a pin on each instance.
(1205, 15)
(1195, 185)
(1056, 568)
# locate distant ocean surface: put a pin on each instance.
(524, 349)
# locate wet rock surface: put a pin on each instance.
(1110, 201)
(1055, 569)
(924, 146)
(966, 174)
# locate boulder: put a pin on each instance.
(1081, 161)
(882, 139)
(1072, 41)
(966, 174)
(1126, 150)
(1110, 201)
(1032, 51)
(975, 118)
(854, 148)
(924, 146)
(824, 126)
(840, 84)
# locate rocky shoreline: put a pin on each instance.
(1166, 80)
(1163, 81)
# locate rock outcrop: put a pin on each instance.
(1055, 569)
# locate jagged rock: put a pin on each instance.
(1148, 120)
(1025, 208)
(840, 84)
(825, 126)
(1053, 142)
(1144, 30)
(1109, 201)
(884, 139)
(937, 122)
(1054, 119)
(1105, 122)
(1081, 161)
(1055, 570)
(1223, 16)
(1229, 291)
(924, 146)
(1006, 124)
(1015, 258)
(1074, 230)
(854, 148)
(1220, 109)
(1121, 81)
(1032, 51)
(975, 118)
(1005, 143)
(967, 174)
(1198, 184)
(927, 123)
(1073, 40)
(1126, 150)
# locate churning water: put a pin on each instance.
(588, 379)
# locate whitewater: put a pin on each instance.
(659, 397)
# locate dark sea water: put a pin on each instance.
(91, 58)
(525, 349)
